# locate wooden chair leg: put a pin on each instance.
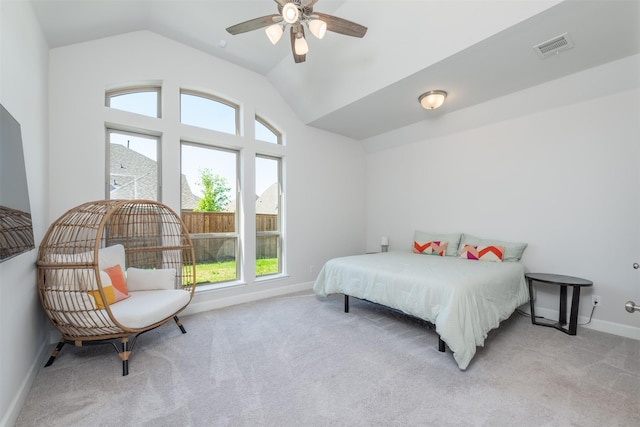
(55, 353)
(184, 331)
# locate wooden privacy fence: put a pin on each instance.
(223, 249)
(209, 222)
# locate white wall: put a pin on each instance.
(324, 173)
(563, 179)
(23, 92)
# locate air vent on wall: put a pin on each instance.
(554, 46)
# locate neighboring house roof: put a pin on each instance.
(266, 203)
(135, 176)
(188, 200)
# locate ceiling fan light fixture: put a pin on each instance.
(317, 27)
(432, 99)
(300, 45)
(290, 13)
(274, 32)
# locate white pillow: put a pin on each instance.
(512, 250)
(452, 239)
(139, 279)
(110, 256)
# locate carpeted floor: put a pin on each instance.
(299, 360)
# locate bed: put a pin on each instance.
(463, 298)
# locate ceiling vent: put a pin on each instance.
(554, 46)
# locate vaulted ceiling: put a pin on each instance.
(476, 50)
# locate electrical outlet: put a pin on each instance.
(595, 300)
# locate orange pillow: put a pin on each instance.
(114, 287)
(117, 280)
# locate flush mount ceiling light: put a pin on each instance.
(296, 14)
(432, 99)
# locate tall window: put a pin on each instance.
(208, 204)
(132, 166)
(209, 180)
(209, 112)
(139, 100)
(268, 218)
(267, 132)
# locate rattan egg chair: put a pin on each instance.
(79, 281)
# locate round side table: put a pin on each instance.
(563, 281)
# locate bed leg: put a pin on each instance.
(440, 344)
(346, 303)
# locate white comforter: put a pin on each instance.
(465, 299)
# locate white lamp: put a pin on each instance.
(384, 242)
(317, 27)
(274, 32)
(301, 47)
(432, 99)
(290, 13)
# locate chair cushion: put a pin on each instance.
(144, 308)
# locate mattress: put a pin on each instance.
(464, 299)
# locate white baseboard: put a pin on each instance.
(10, 417)
(597, 325)
(211, 304)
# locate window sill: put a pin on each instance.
(221, 285)
(238, 283)
(271, 277)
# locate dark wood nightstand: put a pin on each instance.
(563, 282)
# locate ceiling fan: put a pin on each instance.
(296, 14)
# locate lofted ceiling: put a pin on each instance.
(476, 50)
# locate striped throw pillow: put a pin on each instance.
(483, 253)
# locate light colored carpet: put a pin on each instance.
(299, 360)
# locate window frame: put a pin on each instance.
(223, 140)
(135, 89)
(270, 127)
(214, 98)
(147, 134)
(223, 235)
(279, 220)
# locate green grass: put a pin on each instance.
(215, 272)
(266, 266)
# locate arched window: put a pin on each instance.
(265, 131)
(209, 112)
(143, 100)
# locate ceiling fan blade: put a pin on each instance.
(342, 26)
(297, 58)
(282, 2)
(254, 24)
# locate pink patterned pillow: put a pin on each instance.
(482, 253)
(430, 248)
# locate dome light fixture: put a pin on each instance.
(432, 99)
(301, 47)
(274, 32)
(317, 27)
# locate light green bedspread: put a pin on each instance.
(465, 299)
